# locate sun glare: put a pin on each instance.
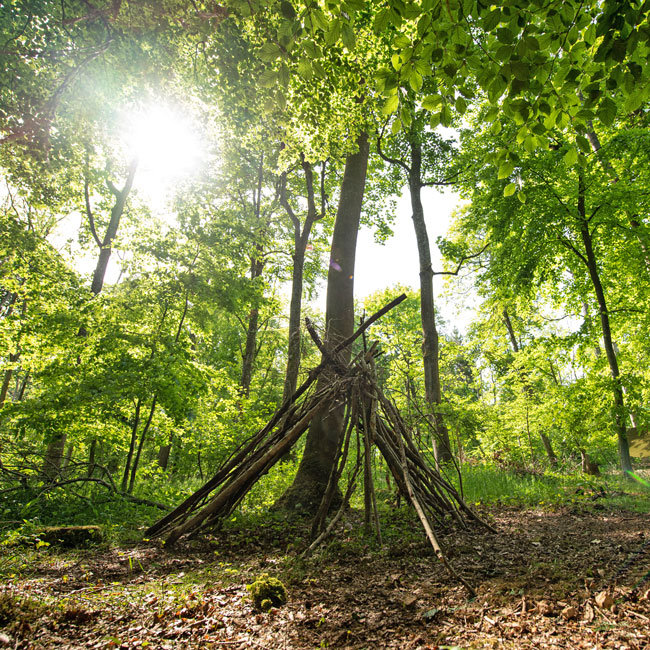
(167, 146)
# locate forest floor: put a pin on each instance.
(577, 576)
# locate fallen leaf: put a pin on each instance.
(588, 616)
(569, 613)
(409, 601)
(429, 614)
(604, 600)
(545, 608)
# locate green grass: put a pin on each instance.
(24, 513)
(487, 484)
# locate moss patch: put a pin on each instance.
(267, 592)
(72, 536)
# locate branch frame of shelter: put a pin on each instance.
(376, 421)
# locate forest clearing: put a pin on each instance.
(210, 437)
(554, 576)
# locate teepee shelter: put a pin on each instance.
(376, 421)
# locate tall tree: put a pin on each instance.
(416, 142)
(576, 225)
(324, 435)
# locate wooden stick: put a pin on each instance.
(346, 501)
(254, 471)
(335, 474)
(427, 527)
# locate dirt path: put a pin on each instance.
(549, 579)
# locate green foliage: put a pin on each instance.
(490, 484)
(164, 374)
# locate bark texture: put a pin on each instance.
(610, 353)
(301, 234)
(324, 434)
(430, 343)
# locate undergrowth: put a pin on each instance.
(122, 521)
(486, 484)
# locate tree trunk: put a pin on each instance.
(92, 454)
(129, 456)
(300, 241)
(9, 300)
(430, 349)
(5, 383)
(324, 434)
(250, 348)
(619, 402)
(105, 248)
(589, 466)
(295, 310)
(143, 435)
(546, 441)
(163, 456)
(53, 459)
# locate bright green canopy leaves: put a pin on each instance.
(545, 65)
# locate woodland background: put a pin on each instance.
(128, 378)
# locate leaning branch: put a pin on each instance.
(463, 259)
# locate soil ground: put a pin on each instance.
(574, 577)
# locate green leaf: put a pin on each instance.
(504, 35)
(446, 116)
(496, 128)
(635, 100)
(504, 53)
(405, 116)
(505, 169)
(401, 41)
(583, 144)
(571, 157)
(381, 21)
(530, 143)
(334, 32)
(283, 75)
(431, 102)
(549, 121)
(521, 70)
(509, 189)
(450, 70)
(287, 10)
(522, 134)
(522, 197)
(492, 20)
(312, 50)
(606, 112)
(268, 79)
(319, 19)
(348, 37)
(423, 24)
(391, 105)
(305, 69)
(269, 52)
(532, 43)
(416, 81)
(318, 69)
